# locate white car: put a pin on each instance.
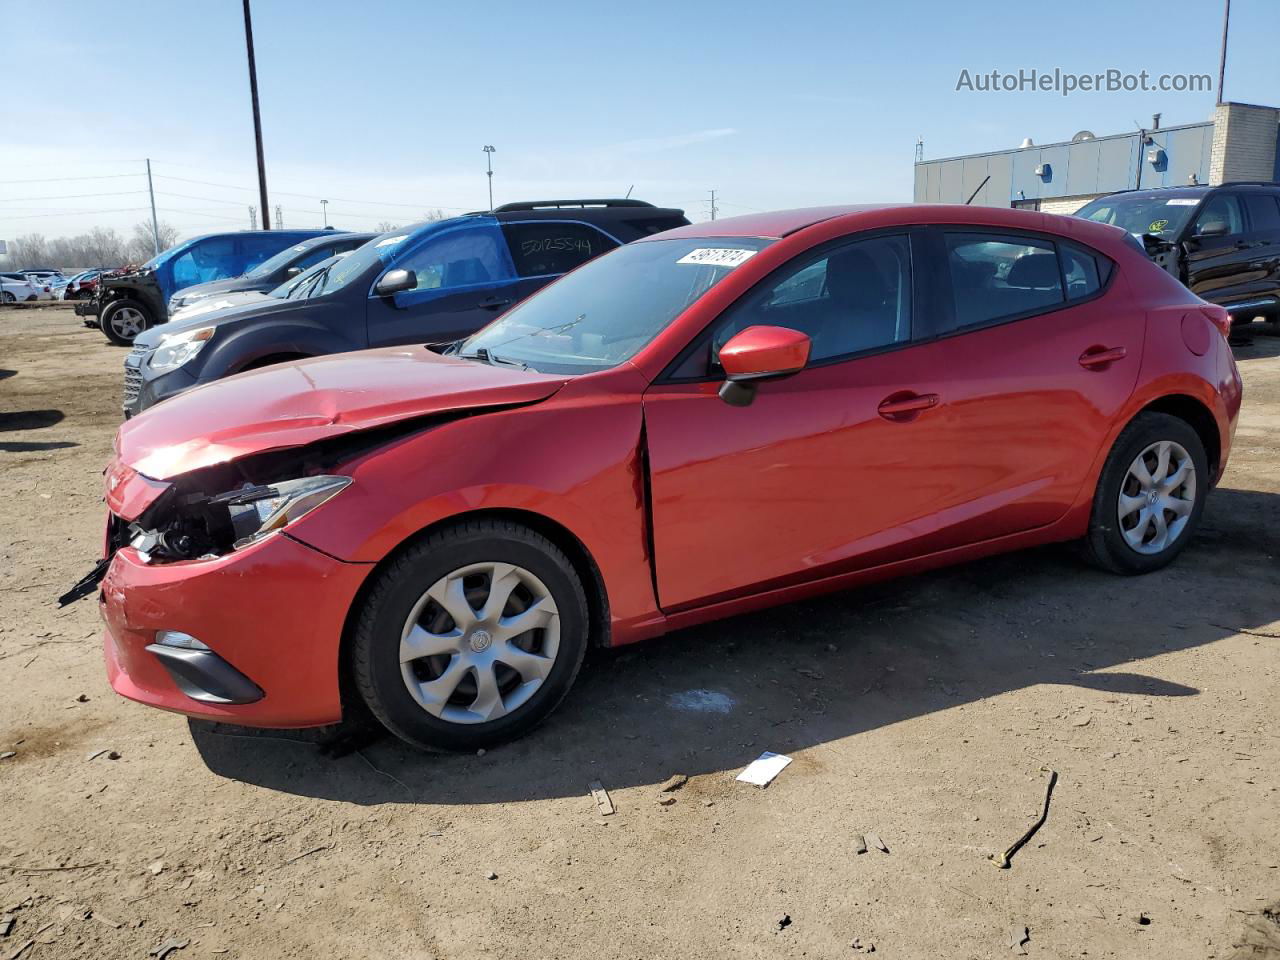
(43, 281)
(15, 288)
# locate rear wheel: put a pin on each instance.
(472, 637)
(1150, 495)
(123, 320)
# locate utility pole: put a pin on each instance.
(155, 227)
(257, 118)
(324, 209)
(489, 151)
(713, 205)
(1222, 59)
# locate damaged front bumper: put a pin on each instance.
(269, 617)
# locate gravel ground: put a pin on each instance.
(925, 711)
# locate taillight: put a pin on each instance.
(1219, 317)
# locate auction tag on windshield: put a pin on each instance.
(1181, 202)
(718, 256)
(392, 241)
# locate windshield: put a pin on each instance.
(361, 259)
(608, 309)
(1162, 216)
(302, 286)
(281, 259)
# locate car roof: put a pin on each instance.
(783, 223)
(334, 235)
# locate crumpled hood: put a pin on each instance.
(294, 404)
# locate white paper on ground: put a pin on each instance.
(764, 768)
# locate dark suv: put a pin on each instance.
(1223, 242)
(131, 300)
(428, 283)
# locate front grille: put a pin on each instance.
(133, 374)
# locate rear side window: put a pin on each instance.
(1264, 211)
(1001, 277)
(543, 248)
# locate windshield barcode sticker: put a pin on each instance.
(718, 256)
(1181, 202)
(392, 241)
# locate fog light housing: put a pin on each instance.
(180, 640)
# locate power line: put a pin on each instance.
(72, 213)
(104, 176)
(312, 196)
(188, 196)
(73, 196)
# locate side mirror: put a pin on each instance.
(760, 353)
(1212, 228)
(292, 272)
(395, 281)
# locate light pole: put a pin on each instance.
(488, 159)
(324, 209)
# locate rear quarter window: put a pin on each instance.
(543, 248)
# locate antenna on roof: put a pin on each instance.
(629, 189)
(976, 192)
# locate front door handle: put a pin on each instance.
(1096, 358)
(901, 407)
(493, 303)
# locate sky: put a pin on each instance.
(383, 107)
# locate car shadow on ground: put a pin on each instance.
(710, 699)
(30, 420)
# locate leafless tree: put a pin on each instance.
(142, 244)
(436, 214)
(386, 226)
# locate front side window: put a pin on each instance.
(458, 258)
(1220, 217)
(213, 259)
(849, 300)
(603, 313)
(997, 277)
(547, 248)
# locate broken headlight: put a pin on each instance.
(176, 350)
(258, 511)
(201, 526)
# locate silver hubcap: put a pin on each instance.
(127, 322)
(480, 642)
(1157, 496)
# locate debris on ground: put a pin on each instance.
(1005, 859)
(603, 801)
(6, 924)
(673, 783)
(875, 841)
(782, 921)
(83, 698)
(1018, 936)
(156, 867)
(107, 752)
(7, 754)
(103, 919)
(665, 801)
(859, 843)
(168, 947)
(860, 947)
(17, 953)
(491, 875)
(1142, 919)
(761, 771)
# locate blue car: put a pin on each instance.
(432, 282)
(137, 299)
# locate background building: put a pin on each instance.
(1239, 143)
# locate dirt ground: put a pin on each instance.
(924, 711)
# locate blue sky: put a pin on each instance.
(383, 107)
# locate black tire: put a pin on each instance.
(1105, 544)
(116, 311)
(7, 297)
(375, 655)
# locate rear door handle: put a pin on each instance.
(493, 303)
(900, 407)
(1096, 357)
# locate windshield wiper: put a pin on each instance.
(487, 356)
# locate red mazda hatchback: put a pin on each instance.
(718, 418)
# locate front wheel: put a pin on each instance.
(123, 320)
(472, 637)
(1150, 495)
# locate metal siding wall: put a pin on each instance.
(1059, 159)
(918, 192)
(1116, 164)
(1082, 175)
(997, 192)
(951, 182)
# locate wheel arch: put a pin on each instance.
(269, 359)
(1199, 417)
(583, 564)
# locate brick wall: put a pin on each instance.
(1066, 205)
(1244, 142)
